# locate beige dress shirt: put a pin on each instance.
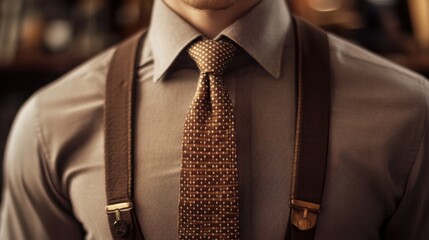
(377, 180)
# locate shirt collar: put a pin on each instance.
(260, 32)
(168, 35)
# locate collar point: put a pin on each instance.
(275, 72)
(157, 77)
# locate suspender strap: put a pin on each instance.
(312, 129)
(119, 140)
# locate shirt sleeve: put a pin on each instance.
(411, 218)
(31, 207)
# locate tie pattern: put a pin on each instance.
(208, 202)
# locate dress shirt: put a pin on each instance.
(377, 173)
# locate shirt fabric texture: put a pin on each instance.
(376, 179)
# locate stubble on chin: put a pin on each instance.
(209, 4)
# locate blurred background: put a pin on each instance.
(42, 39)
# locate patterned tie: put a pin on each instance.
(208, 204)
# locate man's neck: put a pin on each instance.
(211, 22)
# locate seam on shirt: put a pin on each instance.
(398, 71)
(59, 197)
(420, 142)
(414, 154)
(96, 64)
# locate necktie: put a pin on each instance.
(208, 202)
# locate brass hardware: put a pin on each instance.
(120, 226)
(304, 214)
(118, 215)
(125, 206)
(312, 207)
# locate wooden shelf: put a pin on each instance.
(42, 64)
(30, 72)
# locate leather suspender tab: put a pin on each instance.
(304, 215)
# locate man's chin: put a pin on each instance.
(210, 5)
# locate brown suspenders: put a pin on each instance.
(311, 144)
(312, 129)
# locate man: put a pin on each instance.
(376, 177)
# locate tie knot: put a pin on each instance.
(212, 56)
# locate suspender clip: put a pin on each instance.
(120, 226)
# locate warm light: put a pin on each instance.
(325, 5)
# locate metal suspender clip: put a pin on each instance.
(121, 226)
(304, 214)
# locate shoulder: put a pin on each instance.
(367, 76)
(348, 57)
(378, 102)
(86, 79)
(75, 101)
(80, 87)
(56, 118)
